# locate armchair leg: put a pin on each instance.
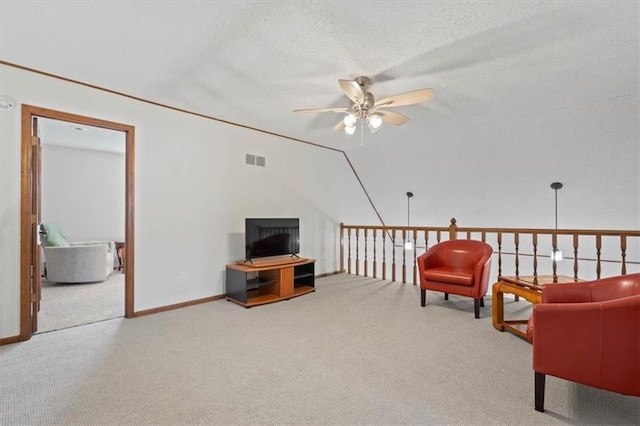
(476, 307)
(446, 296)
(539, 379)
(423, 297)
(482, 302)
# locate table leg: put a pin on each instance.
(497, 301)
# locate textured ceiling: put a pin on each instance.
(253, 62)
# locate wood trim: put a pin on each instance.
(9, 340)
(135, 98)
(25, 225)
(129, 272)
(178, 305)
(29, 111)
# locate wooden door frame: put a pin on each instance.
(28, 113)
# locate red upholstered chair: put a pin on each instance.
(459, 267)
(589, 333)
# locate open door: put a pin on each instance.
(30, 212)
(35, 279)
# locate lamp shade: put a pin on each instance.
(374, 121)
(350, 120)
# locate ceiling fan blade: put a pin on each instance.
(407, 98)
(394, 118)
(345, 110)
(353, 90)
(339, 126)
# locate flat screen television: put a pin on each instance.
(266, 237)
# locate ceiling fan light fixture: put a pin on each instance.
(350, 120)
(350, 129)
(374, 121)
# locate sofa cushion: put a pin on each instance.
(53, 236)
(450, 275)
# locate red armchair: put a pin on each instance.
(459, 267)
(589, 333)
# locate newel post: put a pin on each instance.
(453, 229)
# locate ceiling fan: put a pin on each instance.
(364, 108)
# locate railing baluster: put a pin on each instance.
(393, 254)
(404, 257)
(598, 249)
(499, 255)
(623, 250)
(415, 255)
(534, 241)
(349, 251)
(575, 257)
(554, 263)
(366, 259)
(375, 263)
(341, 247)
(384, 255)
(516, 241)
(357, 251)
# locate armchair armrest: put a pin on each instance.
(78, 263)
(593, 343)
(593, 291)
(481, 274)
(566, 293)
(426, 260)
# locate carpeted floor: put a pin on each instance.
(68, 305)
(357, 351)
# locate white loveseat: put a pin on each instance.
(75, 262)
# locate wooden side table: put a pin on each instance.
(120, 248)
(527, 287)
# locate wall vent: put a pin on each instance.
(255, 160)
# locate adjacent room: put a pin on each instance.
(320, 212)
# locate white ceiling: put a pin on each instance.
(527, 92)
(71, 135)
(253, 62)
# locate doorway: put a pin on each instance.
(31, 202)
(82, 191)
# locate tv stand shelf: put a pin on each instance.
(271, 281)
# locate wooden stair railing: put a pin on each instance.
(592, 254)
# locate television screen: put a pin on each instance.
(271, 237)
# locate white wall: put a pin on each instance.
(192, 192)
(84, 192)
(499, 174)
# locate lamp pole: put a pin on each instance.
(555, 186)
(408, 244)
(556, 255)
(409, 196)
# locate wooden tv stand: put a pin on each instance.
(269, 281)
